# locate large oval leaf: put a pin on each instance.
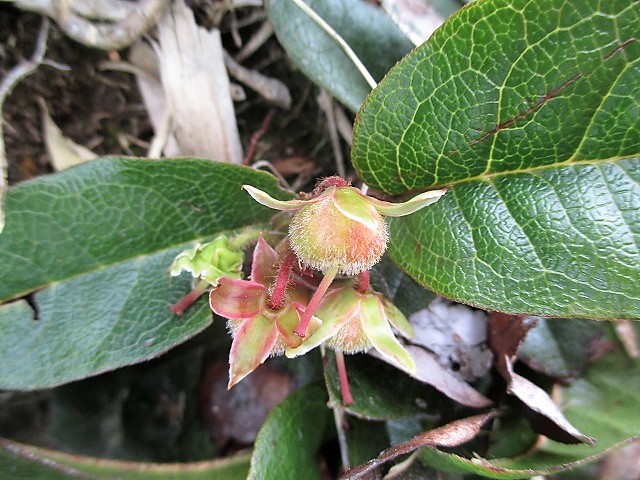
(96, 241)
(372, 35)
(529, 110)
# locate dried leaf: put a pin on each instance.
(429, 371)
(506, 332)
(63, 152)
(457, 334)
(196, 86)
(553, 423)
(450, 435)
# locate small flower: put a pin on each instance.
(210, 261)
(259, 330)
(355, 321)
(339, 227)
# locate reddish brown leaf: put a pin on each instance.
(450, 435)
(506, 332)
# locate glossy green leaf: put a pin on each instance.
(289, 440)
(603, 404)
(529, 110)
(371, 34)
(19, 461)
(96, 242)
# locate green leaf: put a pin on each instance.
(371, 34)
(380, 391)
(289, 440)
(603, 404)
(529, 110)
(561, 348)
(96, 242)
(28, 462)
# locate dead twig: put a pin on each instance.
(271, 89)
(13, 77)
(256, 41)
(326, 104)
(257, 136)
(105, 24)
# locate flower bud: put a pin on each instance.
(340, 230)
(210, 261)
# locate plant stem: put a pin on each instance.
(315, 301)
(276, 299)
(185, 302)
(347, 399)
(338, 417)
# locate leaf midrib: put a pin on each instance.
(488, 177)
(105, 266)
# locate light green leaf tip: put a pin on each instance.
(378, 330)
(405, 208)
(267, 200)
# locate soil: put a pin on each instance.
(99, 109)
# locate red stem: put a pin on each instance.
(276, 300)
(253, 143)
(315, 301)
(185, 302)
(347, 399)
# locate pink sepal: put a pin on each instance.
(251, 346)
(237, 298)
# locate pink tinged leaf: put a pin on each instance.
(401, 209)
(263, 265)
(268, 201)
(537, 400)
(352, 204)
(450, 435)
(377, 329)
(336, 309)
(251, 346)
(237, 298)
(397, 318)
